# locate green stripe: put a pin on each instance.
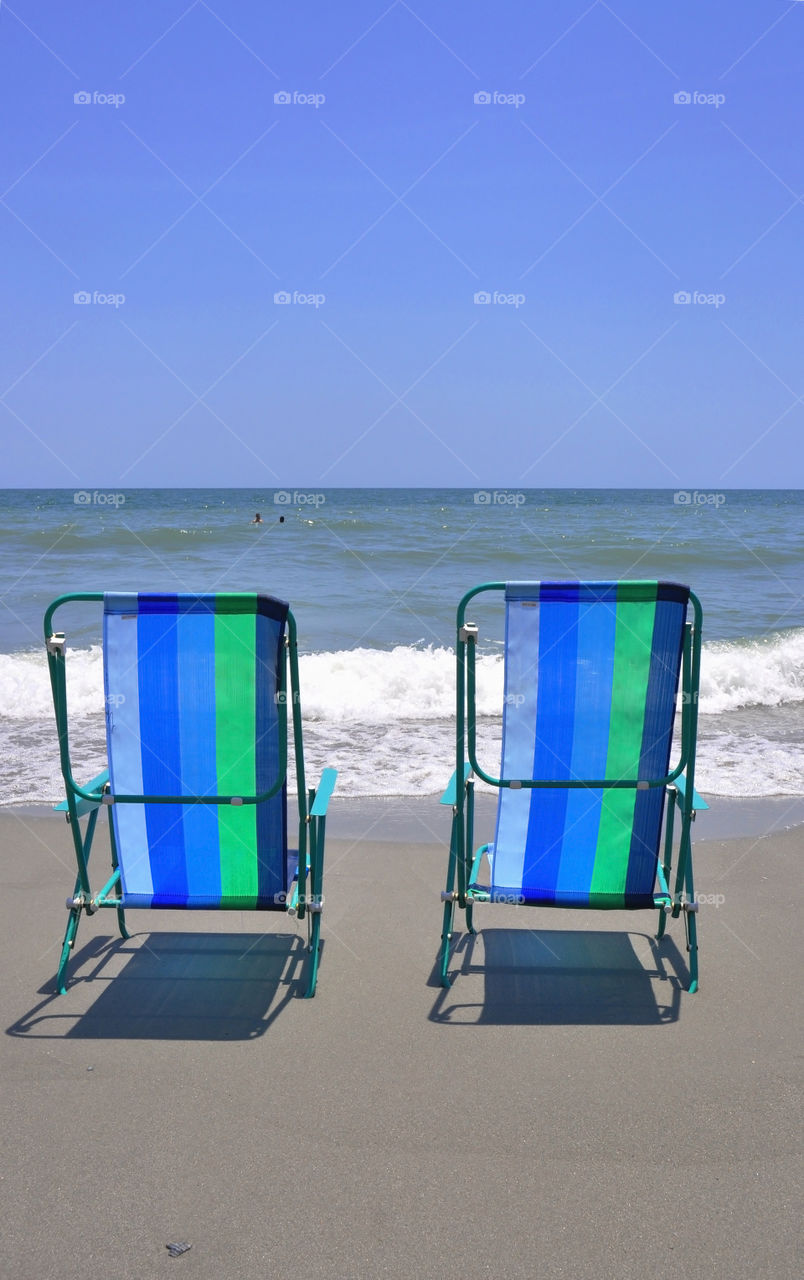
(235, 750)
(236, 602)
(633, 640)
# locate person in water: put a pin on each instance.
(257, 519)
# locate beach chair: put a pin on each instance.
(197, 745)
(591, 690)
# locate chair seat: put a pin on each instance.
(210, 902)
(570, 898)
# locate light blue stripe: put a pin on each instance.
(519, 733)
(552, 751)
(121, 687)
(595, 672)
(196, 700)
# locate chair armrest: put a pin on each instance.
(83, 806)
(450, 796)
(698, 802)
(323, 792)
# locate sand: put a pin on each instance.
(565, 1110)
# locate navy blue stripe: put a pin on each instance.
(271, 607)
(272, 873)
(657, 733)
(672, 591)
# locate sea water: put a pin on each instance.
(374, 577)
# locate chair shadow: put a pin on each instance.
(174, 986)
(553, 977)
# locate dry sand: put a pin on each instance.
(565, 1110)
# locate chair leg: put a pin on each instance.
(314, 949)
(121, 924)
(662, 923)
(446, 936)
(692, 947)
(691, 920)
(469, 925)
(67, 946)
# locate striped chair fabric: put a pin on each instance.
(191, 709)
(591, 680)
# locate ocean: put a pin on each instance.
(374, 577)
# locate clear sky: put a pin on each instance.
(575, 194)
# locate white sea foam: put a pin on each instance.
(385, 718)
(25, 684)
(757, 673)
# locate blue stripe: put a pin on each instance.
(121, 689)
(161, 753)
(507, 856)
(596, 634)
(272, 872)
(555, 718)
(195, 630)
(665, 660)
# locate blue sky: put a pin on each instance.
(577, 196)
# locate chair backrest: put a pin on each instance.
(591, 678)
(191, 709)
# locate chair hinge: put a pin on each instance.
(468, 632)
(448, 897)
(55, 643)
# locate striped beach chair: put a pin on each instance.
(592, 674)
(196, 696)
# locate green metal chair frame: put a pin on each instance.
(85, 801)
(463, 863)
